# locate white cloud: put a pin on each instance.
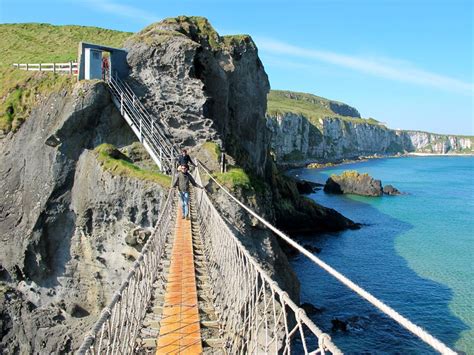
(114, 8)
(383, 68)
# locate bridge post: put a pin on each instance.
(121, 103)
(141, 133)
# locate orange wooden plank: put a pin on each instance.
(180, 331)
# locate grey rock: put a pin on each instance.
(62, 217)
(390, 190)
(297, 140)
(201, 92)
(351, 182)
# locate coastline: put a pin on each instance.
(440, 155)
(322, 165)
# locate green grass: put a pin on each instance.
(234, 178)
(193, 27)
(310, 106)
(44, 43)
(236, 40)
(125, 168)
(21, 90)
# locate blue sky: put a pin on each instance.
(406, 63)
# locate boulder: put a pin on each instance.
(307, 187)
(311, 309)
(352, 182)
(390, 190)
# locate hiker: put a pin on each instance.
(185, 159)
(183, 178)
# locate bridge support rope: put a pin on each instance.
(415, 329)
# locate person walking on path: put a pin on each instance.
(182, 181)
(185, 159)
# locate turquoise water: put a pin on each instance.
(415, 252)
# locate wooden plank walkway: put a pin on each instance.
(180, 331)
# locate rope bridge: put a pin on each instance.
(255, 314)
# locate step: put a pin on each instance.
(148, 343)
(214, 342)
(157, 310)
(152, 324)
(210, 324)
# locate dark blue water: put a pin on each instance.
(415, 252)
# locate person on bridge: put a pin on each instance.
(182, 181)
(185, 159)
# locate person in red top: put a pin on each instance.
(105, 67)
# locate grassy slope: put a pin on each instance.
(37, 42)
(311, 106)
(20, 90)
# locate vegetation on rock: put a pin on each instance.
(117, 163)
(234, 178)
(21, 90)
(313, 107)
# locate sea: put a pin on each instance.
(415, 252)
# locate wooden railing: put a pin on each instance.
(60, 68)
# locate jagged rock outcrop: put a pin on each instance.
(203, 86)
(352, 182)
(390, 190)
(324, 130)
(64, 220)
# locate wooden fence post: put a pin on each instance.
(27, 67)
(54, 68)
(40, 67)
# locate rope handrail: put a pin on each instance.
(406, 323)
(262, 318)
(117, 327)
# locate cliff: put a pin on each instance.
(64, 219)
(309, 128)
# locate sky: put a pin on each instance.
(406, 63)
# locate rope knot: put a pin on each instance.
(322, 339)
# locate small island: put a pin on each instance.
(352, 182)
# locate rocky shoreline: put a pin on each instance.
(361, 159)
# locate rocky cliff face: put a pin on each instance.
(64, 220)
(303, 136)
(204, 86)
(424, 142)
(295, 138)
